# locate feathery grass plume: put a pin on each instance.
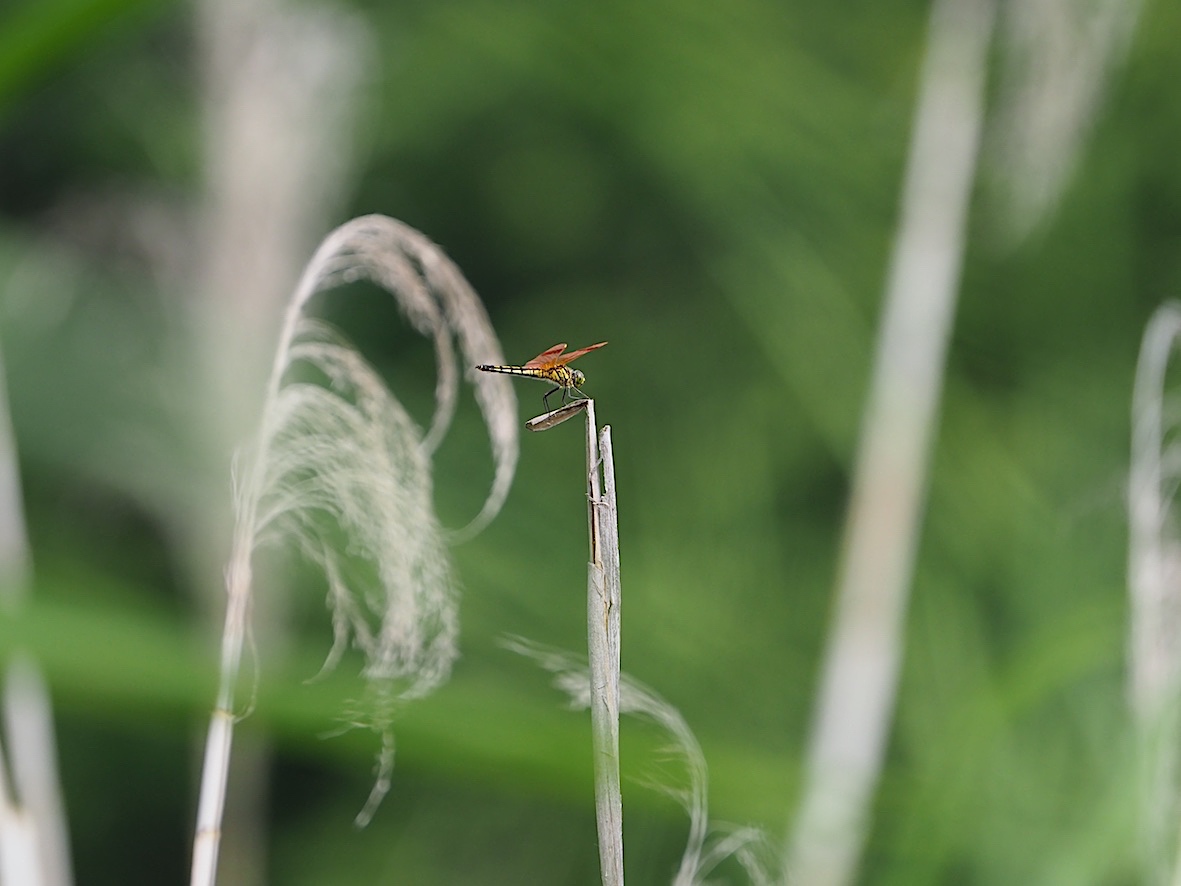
(341, 470)
(707, 846)
(1057, 59)
(1154, 586)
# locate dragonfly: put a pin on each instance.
(551, 366)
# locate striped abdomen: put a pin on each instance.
(562, 376)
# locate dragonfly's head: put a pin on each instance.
(578, 377)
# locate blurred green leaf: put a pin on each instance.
(36, 37)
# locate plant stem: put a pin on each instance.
(1154, 554)
(603, 635)
(34, 837)
(603, 594)
(860, 670)
(215, 771)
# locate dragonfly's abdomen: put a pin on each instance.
(562, 376)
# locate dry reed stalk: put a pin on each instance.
(34, 839)
(859, 673)
(1154, 589)
(603, 627)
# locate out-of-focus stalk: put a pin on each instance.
(1154, 589)
(860, 670)
(34, 840)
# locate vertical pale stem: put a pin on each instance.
(609, 549)
(860, 668)
(1154, 583)
(593, 486)
(280, 82)
(33, 752)
(603, 633)
(215, 771)
(1154, 556)
(214, 775)
(34, 838)
(19, 857)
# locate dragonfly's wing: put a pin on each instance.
(547, 358)
(573, 355)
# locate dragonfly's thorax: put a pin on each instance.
(564, 376)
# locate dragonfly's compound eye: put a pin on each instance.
(579, 378)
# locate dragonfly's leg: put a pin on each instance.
(545, 399)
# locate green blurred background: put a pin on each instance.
(713, 188)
